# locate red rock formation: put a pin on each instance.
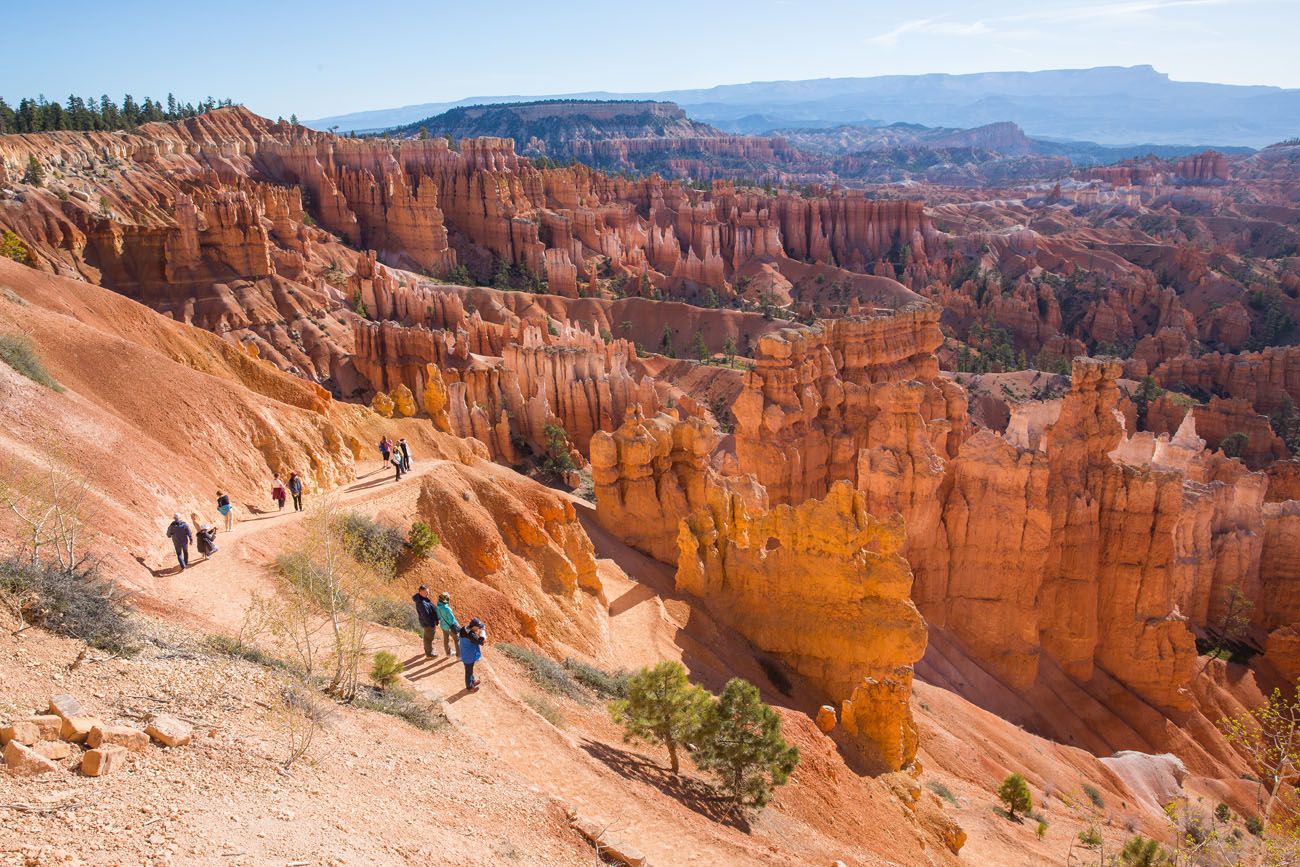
(1265, 379)
(1217, 420)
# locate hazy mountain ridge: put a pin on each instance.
(1108, 105)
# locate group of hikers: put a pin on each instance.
(465, 641)
(396, 453)
(181, 534)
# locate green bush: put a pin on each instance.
(604, 683)
(1090, 837)
(77, 602)
(1142, 851)
(543, 671)
(385, 669)
(402, 703)
(18, 352)
(546, 710)
(1255, 825)
(1041, 829)
(421, 539)
(1095, 796)
(1223, 813)
(372, 542)
(12, 247)
(942, 791)
(390, 612)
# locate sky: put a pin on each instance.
(282, 57)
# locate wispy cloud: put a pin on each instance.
(1013, 26)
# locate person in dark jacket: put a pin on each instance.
(428, 614)
(181, 535)
(404, 449)
(295, 489)
(472, 639)
(207, 541)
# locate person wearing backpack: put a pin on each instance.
(472, 639)
(428, 617)
(450, 626)
(207, 541)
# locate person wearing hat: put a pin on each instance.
(450, 625)
(472, 639)
(181, 535)
(428, 617)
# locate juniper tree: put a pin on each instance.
(1014, 792)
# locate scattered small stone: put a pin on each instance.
(26, 762)
(124, 736)
(77, 728)
(64, 705)
(169, 731)
(103, 760)
(23, 732)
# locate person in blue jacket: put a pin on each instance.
(450, 625)
(472, 639)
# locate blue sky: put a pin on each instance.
(330, 57)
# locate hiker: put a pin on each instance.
(181, 535)
(397, 465)
(207, 541)
(227, 510)
(278, 493)
(384, 448)
(295, 488)
(424, 609)
(472, 639)
(450, 626)
(405, 451)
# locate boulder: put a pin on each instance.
(103, 760)
(23, 761)
(53, 750)
(49, 725)
(382, 404)
(123, 736)
(64, 705)
(22, 731)
(403, 401)
(169, 731)
(826, 717)
(609, 846)
(76, 729)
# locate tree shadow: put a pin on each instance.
(692, 793)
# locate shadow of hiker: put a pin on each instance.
(164, 572)
(697, 795)
(440, 664)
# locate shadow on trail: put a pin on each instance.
(692, 793)
(164, 572)
(420, 671)
(374, 483)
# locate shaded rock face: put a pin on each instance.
(821, 586)
(1266, 379)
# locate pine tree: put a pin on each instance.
(293, 119)
(666, 341)
(741, 743)
(662, 707)
(1142, 851)
(729, 349)
(35, 174)
(7, 117)
(699, 349)
(1014, 792)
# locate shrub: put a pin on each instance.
(34, 174)
(558, 460)
(404, 704)
(76, 601)
(18, 352)
(1142, 851)
(1255, 825)
(545, 709)
(662, 707)
(385, 669)
(12, 247)
(603, 683)
(543, 671)
(1090, 837)
(741, 743)
(230, 646)
(1095, 796)
(390, 612)
(942, 791)
(421, 539)
(372, 542)
(1234, 444)
(1223, 813)
(1040, 830)
(1014, 793)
